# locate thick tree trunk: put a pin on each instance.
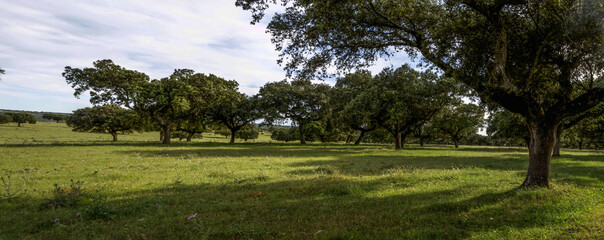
(18, 124)
(114, 135)
(556, 152)
(398, 141)
(543, 139)
(233, 134)
(167, 136)
(161, 135)
(302, 137)
(456, 141)
(190, 136)
(360, 139)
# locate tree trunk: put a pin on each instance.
(456, 141)
(557, 145)
(543, 139)
(161, 135)
(167, 136)
(360, 139)
(302, 137)
(114, 135)
(18, 124)
(398, 142)
(190, 136)
(233, 132)
(348, 137)
(580, 145)
(421, 141)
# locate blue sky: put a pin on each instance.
(40, 38)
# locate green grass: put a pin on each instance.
(139, 189)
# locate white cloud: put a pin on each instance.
(40, 38)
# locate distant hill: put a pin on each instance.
(38, 115)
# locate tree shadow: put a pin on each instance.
(327, 207)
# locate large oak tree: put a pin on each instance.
(527, 56)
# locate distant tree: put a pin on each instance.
(355, 114)
(110, 119)
(192, 125)
(236, 113)
(509, 127)
(300, 101)
(459, 121)
(5, 118)
(400, 100)
(223, 131)
(55, 116)
(285, 134)
(247, 132)
(168, 101)
(425, 133)
(22, 117)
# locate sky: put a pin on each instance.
(40, 38)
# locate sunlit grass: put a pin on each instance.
(140, 189)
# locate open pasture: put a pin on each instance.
(137, 188)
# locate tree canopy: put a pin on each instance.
(300, 101)
(22, 117)
(110, 119)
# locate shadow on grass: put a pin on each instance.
(326, 207)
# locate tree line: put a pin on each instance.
(390, 106)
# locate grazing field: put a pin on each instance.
(139, 189)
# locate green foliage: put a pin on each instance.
(55, 116)
(5, 118)
(507, 128)
(237, 113)
(459, 121)
(110, 119)
(22, 117)
(247, 132)
(400, 100)
(285, 134)
(300, 101)
(354, 114)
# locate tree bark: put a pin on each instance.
(190, 136)
(543, 139)
(556, 152)
(114, 135)
(302, 137)
(167, 136)
(398, 143)
(360, 139)
(233, 133)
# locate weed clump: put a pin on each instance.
(71, 196)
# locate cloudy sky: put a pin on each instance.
(40, 38)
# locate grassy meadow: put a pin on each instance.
(137, 188)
